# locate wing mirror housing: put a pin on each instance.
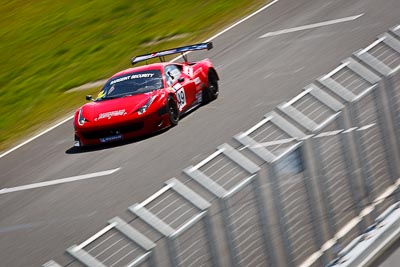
(89, 97)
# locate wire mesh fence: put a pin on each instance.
(118, 244)
(181, 216)
(233, 180)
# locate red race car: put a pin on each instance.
(146, 99)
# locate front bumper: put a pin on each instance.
(145, 125)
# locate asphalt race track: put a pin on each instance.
(40, 221)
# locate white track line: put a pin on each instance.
(242, 20)
(311, 26)
(210, 39)
(36, 136)
(59, 181)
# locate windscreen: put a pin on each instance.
(131, 84)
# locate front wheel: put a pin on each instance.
(173, 111)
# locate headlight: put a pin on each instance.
(144, 108)
(81, 119)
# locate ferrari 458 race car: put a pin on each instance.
(146, 99)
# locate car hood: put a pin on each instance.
(114, 110)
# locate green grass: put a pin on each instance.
(48, 47)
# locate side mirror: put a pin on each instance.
(89, 97)
(181, 79)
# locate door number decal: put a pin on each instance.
(180, 96)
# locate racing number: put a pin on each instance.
(180, 95)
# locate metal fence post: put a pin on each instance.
(228, 232)
(390, 154)
(314, 156)
(273, 178)
(211, 240)
(394, 107)
(307, 150)
(347, 141)
(363, 161)
(263, 219)
(174, 261)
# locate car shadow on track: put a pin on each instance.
(88, 149)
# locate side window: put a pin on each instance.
(172, 74)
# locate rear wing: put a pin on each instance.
(178, 50)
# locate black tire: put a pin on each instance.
(173, 111)
(211, 92)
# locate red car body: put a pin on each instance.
(146, 99)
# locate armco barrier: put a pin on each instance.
(293, 190)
